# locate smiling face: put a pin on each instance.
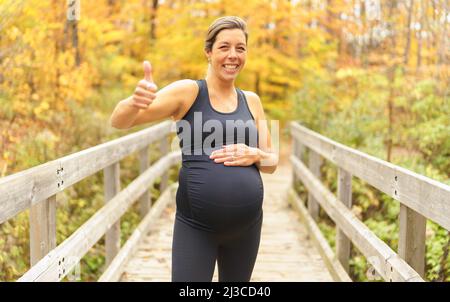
(228, 54)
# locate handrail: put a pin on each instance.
(24, 189)
(379, 254)
(420, 198)
(36, 189)
(60, 261)
(424, 195)
(114, 271)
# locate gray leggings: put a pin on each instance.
(194, 253)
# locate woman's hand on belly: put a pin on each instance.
(236, 155)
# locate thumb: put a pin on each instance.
(148, 76)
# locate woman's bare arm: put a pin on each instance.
(268, 158)
(146, 105)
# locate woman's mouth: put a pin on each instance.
(230, 67)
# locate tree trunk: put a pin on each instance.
(391, 78)
(419, 36)
(71, 26)
(443, 42)
(390, 114)
(75, 42)
(113, 7)
(408, 32)
(257, 84)
(155, 5)
(443, 269)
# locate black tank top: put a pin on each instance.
(204, 129)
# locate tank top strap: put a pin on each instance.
(203, 103)
(202, 91)
(245, 107)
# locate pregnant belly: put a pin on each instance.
(223, 197)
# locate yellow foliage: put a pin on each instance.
(40, 110)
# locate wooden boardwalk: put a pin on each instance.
(285, 254)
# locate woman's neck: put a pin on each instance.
(219, 86)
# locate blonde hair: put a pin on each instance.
(228, 22)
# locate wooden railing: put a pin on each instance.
(420, 198)
(36, 189)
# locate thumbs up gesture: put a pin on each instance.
(145, 92)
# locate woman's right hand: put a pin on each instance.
(145, 91)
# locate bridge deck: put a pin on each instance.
(285, 254)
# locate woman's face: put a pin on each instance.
(228, 54)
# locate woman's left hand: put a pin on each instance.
(236, 155)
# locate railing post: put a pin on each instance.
(411, 243)
(42, 229)
(344, 192)
(295, 151)
(315, 162)
(164, 150)
(298, 150)
(111, 177)
(145, 200)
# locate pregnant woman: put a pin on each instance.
(225, 145)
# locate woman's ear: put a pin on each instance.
(208, 55)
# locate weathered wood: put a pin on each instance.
(385, 261)
(42, 229)
(21, 190)
(145, 201)
(111, 175)
(344, 194)
(298, 150)
(164, 149)
(426, 196)
(314, 162)
(295, 151)
(115, 270)
(56, 264)
(411, 243)
(335, 268)
(285, 253)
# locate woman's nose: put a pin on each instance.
(232, 53)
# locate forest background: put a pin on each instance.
(371, 74)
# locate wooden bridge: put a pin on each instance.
(292, 246)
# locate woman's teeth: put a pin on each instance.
(232, 67)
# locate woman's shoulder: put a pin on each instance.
(185, 91)
(183, 86)
(254, 102)
(252, 98)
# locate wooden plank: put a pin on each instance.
(42, 229)
(284, 254)
(343, 244)
(164, 149)
(411, 243)
(21, 190)
(111, 176)
(298, 150)
(426, 196)
(335, 268)
(295, 151)
(314, 162)
(145, 201)
(115, 270)
(56, 264)
(385, 261)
